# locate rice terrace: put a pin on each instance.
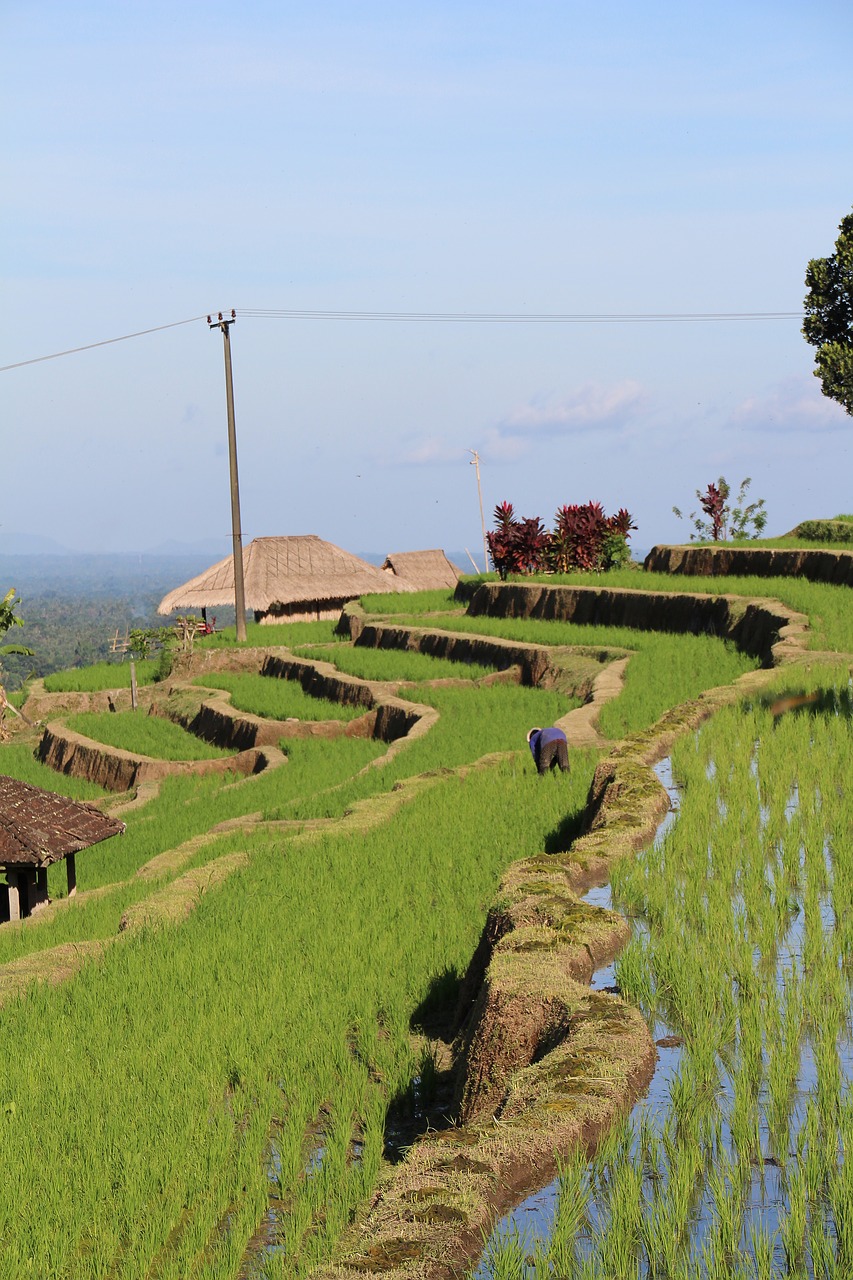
(357, 992)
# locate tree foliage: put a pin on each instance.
(829, 316)
(583, 538)
(8, 619)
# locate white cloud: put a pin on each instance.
(591, 408)
(795, 404)
(431, 450)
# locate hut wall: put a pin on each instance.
(302, 611)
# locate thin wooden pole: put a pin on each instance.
(475, 462)
(236, 532)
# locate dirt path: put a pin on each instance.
(579, 725)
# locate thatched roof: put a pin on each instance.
(40, 827)
(423, 570)
(283, 571)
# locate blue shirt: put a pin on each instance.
(539, 740)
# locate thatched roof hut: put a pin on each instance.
(292, 579)
(423, 570)
(38, 828)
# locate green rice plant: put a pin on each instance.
(277, 699)
(274, 635)
(761, 1248)
(18, 761)
(144, 735)
(508, 1259)
(397, 665)
(101, 675)
(415, 603)
(822, 1252)
(793, 1222)
(662, 1231)
(571, 1216)
(633, 977)
(727, 1207)
(664, 671)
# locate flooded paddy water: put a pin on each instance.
(734, 1164)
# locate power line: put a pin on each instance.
(125, 337)
(497, 317)
(447, 317)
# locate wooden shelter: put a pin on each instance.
(38, 828)
(299, 578)
(422, 570)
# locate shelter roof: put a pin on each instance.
(285, 571)
(424, 570)
(39, 827)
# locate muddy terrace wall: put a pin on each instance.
(757, 627)
(117, 770)
(347, 690)
(533, 660)
(759, 562)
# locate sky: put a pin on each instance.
(163, 161)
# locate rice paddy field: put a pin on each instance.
(210, 1090)
(738, 1164)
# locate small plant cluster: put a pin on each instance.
(723, 521)
(583, 538)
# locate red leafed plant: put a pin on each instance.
(713, 503)
(516, 546)
(583, 538)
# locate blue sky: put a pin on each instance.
(162, 161)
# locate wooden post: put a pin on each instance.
(71, 869)
(134, 698)
(26, 890)
(14, 897)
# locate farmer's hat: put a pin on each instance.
(531, 733)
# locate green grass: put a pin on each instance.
(414, 602)
(162, 1067)
(261, 635)
(18, 761)
(277, 699)
(395, 664)
(102, 675)
(144, 735)
(665, 670)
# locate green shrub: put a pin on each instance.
(838, 530)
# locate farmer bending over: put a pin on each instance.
(549, 749)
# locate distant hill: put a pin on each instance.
(31, 544)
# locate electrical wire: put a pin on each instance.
(444, 317)
(125, 337)
(488, 317)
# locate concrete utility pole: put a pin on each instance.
(236, 534)
(475, 462)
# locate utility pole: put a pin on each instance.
(475, 462)
(236, 534)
